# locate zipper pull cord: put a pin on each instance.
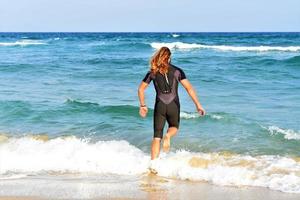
(167, 79)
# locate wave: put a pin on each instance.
(133, 110)
(175, 35)
(288, 134)
(114, 61)
(27, 155)
(121, 110)
(78, 102)
(181, 45)
(23, 43)
(294, 60)
(73, 107)
(189, 115)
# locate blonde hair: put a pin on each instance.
(160, 61)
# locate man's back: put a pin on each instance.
(166, 85)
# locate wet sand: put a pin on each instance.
(147, 186)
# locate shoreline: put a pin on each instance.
(146, 186)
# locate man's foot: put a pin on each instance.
(166, 143)
(152, 170)
(153, 166)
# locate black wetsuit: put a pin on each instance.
(167, 106)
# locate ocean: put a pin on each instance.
(69, 107)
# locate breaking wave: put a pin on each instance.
(23, 43)
(39, 154)
(181, 45)
(288, 134)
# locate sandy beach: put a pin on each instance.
(148, 186)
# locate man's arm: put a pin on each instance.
(141, 94)
(190, 90)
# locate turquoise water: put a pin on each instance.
(85, 85)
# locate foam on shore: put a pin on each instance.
(36, 155)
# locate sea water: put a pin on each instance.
(69, 105)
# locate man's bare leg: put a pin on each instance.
(166, 140)
(155, 148)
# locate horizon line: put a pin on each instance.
(149, 31)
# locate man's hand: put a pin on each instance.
(143, 111)
(201, 110)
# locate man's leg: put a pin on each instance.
(166, 140)
(158, 126)
(155, 148)
(173, 118)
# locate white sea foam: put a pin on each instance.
(23, 43)
(217, 117)
(30, 155)
(274, 172)
(181, 45)
(187, 115)
(288, 134)
(12, 176)
(175, 35)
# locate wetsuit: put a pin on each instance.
(167, 105)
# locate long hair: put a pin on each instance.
(160, 61)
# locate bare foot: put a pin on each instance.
(152, 170)
(166, 143)
(153, 166)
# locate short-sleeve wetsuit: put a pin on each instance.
(167, 106)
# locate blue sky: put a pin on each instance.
(150, 15)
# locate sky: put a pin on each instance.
(149, 15)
